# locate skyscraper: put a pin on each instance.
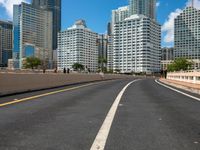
(143, 7)
(136, 38)
(55, 7)
(120, 14)
(136, 45)
(187, 35)
(78, 44)
(32, 33)
(5, 42)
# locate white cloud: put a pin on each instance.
(168, 26)
(8, 5)
(157, 4)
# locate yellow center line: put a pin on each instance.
(45, 94)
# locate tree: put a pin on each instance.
(102, 63)
(179, 64)
(32, 62)
(77, 66)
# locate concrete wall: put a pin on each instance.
(12, 83)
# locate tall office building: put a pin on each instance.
(55, 7)
(32, 33)
(102, 43)
(167, 53)
(143, 7)
(78, 44)
(6, 42)
(187, 35)
(167, 57)
(109, 29)
(136, 45)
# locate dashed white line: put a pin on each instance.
(101, 138)
(188, 95)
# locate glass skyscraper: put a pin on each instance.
(32, 33)
(187, 35)
(5, 42)
(55, 7)
(143, 7)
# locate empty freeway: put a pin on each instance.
(111, 115)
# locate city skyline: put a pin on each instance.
(101, 14)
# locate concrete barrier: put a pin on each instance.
(16, 83)
(191, 87)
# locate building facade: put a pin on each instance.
(102, 43)
(32, 32)
(143, 7)
(6, 42)
(78, 44)
(167, 57)
(55, 7)
(187, 35)
(167, 53)
(120, 14)
(136, 45)
(110, 54)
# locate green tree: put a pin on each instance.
(179, 64)
(77, 66)
(32, 63)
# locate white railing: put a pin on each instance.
(191, 76)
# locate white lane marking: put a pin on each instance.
(193, 97)
(101, 138)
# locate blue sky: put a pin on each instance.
(97, 13)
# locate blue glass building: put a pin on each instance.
(5, 42)
(55, 7)
(32, 32)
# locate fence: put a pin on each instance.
(191, 76)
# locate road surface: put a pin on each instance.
(148, 116)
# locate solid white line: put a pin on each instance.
(193, 97)
(101, 138)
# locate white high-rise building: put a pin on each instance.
(187, 35)
(120, 14)
(136, 38)
(136, 45)
(78, 44)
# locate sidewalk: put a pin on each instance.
(194, 88)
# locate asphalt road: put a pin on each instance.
(149, 117)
